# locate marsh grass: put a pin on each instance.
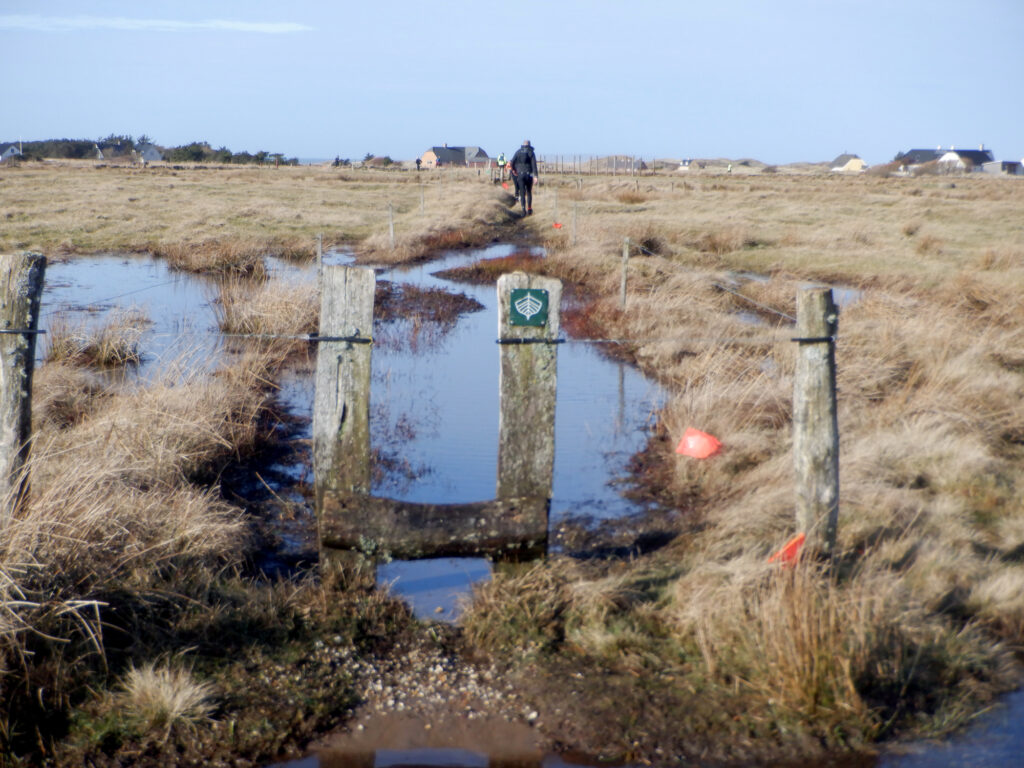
(278, 313)
(487, 271)
(113, 343)
(909, 632)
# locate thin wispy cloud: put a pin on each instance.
(37, 23)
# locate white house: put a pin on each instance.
(8, 151)
(148, 153)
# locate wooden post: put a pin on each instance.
(341, 405)
(528, 324)
(21, 286)
(815, 423)
(391, 223)
(319, 251)
(575, 215)
(625, 265)
(556, 204)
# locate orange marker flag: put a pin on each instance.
(789, 553)
(698, 444)
(557, 225)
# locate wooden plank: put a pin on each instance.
(514, 528)
(528, 375)
(815, 420)
(21, 287)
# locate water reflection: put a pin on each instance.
(996, 740)
(442, 758)
(434, 420)
(442, 402)
(181, 326)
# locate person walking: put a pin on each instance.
(524, 171)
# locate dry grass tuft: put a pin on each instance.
(162, 699)
(114, 343)
(928, 244)
(218, 257)
(247, 306)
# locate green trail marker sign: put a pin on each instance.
(528, 306)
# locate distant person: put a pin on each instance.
(524, 171)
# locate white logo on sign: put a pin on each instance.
(529, 305)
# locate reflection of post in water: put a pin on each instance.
(416, 756)
(620, 425)
(356, 528)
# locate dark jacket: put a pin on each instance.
(524, 161)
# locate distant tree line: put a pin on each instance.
(114, 146)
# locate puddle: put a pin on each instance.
(451, 742)
(442, 404)
(181, 328)
(995, 740)
(434, 403)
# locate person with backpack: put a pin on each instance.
(524, 172)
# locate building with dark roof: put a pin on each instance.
(471, 157)
(954, 159)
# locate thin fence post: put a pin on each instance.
(575, 215)
(341, 403)
(815, 420)
(625, 265)
(556, 204)
(21, 288)
(391, 223)
(319, 251)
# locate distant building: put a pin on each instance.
(949, 160)
(847, 163)
(148, 153)
(472, 157)
(7, 151)
(1004, 167)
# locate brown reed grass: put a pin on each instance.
(114, 343)
(931, 413)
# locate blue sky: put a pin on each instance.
(784, 81)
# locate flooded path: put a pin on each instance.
(435, 424)
(434, 419)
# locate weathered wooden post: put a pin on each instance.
(21, 286)
(528, 324)
(625, 266)
(815, 422)
(341, 405)
(575, 215)
(391, 223)
(319, 251)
